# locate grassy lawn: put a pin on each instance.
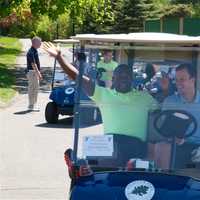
(9, 49)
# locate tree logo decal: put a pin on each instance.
(139, 190)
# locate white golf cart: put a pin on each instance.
(147, 145)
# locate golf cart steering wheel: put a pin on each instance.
(175, 123)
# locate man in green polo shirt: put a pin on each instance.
(124, 110)
(125, 114)
(105, 68)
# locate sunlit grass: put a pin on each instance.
(9, 49)
(6, 94)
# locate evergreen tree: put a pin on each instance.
(119, 16)
(130, 15)
(178, 10)
(185, 1)
(97, 18)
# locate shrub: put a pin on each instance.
(64, 26)
(44, 28)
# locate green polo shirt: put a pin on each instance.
(109, 67)
(124, 113)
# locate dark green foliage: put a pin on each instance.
(51, 8)
(98, 20)
(17, 25)
(8, 51)
(6, 6)
(130, 15)
(106, 24)
(185, 1)
(178, 10)
(86, 16)
(6, 76)
(89, 24)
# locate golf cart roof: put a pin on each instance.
(138, 38)
(66, 41)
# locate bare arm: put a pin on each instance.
(34, 66)
(68, 67)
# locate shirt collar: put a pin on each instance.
(34, 49)
(196, 100)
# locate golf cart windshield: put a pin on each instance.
(147, 92)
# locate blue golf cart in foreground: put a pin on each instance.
(146, 147)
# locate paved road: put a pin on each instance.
(31, 151)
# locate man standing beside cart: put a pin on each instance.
(33, 72)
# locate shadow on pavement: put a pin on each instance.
(67, 123)
(23, 112)
(22, 82)
(62, 123)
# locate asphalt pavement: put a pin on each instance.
(31, 151)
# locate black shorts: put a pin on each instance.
(183, 156)
(127, 147)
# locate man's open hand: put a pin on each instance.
(51, 49)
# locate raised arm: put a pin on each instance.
(68, 68)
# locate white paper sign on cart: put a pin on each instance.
(98, 145)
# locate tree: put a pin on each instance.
(178, 10)
(130, 14)
(185, 1)
(51, 8)
(7, 6)
(193, 4)
(91, 16)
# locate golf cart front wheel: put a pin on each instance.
(51, 113)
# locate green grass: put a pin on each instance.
(9, 49)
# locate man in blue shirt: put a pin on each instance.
(187, 99)
(33, 72)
